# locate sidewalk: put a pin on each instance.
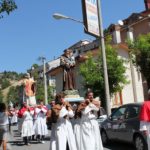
(15, 142)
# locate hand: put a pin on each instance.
(87, 101)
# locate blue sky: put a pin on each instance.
(31, 31)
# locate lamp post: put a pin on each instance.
(102, 42)
(101, 33)
(45, 79)
(59, 16)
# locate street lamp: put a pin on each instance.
(45, 79)
(59, 16)
(102, 42)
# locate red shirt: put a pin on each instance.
(145, 111)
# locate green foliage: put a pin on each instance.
(92, 72)
(7, 6)
(1, 96)
(40, 91)
(4, 83)
(140, 54)
(12, 75)
(13, 94)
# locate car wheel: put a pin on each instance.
(139, 143)
(104, 137)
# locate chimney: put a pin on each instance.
(147, 4)
(116, 34)
(130, 34)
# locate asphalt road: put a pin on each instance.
(15, 143)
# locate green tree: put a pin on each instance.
(7, 6)
(5, 83)
(1, 96)
(93, 75)
(13, 94)
(140, 54)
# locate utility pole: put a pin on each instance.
(44, 79)
(102, 45)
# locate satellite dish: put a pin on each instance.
(120, 22)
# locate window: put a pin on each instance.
(132, 112)
(119, 113)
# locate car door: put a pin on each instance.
(129, 124)
(113, 123)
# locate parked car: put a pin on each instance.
(123, 125)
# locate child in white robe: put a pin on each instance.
(27, 125)
(40, 126)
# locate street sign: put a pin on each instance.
(90, 17)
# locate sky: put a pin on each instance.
(30, 31)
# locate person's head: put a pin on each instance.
(52, 103)
(67, 52)
(2, 107)
(71, 52)
(27, 75)
(24, 104)
(41, 102)
(90, 95)
(59, 98)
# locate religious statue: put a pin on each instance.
(67, 61)
(29, 90)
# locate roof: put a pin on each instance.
(133, 19)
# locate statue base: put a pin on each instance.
(72, 96)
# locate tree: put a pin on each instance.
(13, 94)
(1, 96)
(93, 75)
(5, 83)
(7, 6)
(140, 55)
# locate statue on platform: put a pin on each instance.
(67, 61)
(29, 90)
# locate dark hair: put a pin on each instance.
(58, 97)
(2, 107)
(87, 93)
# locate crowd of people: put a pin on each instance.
(30, 120)
(73, 127)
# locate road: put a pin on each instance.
(15, 143)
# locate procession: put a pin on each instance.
(68, 81)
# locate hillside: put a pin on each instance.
(9, 82)
(5, 91)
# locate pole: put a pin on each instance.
(102, 46)
(45, 81)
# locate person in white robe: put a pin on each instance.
(63, 131)
(14, 119)
(40, 126)
(77, 128)
(27, 125)
(90, 138)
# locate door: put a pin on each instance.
(113, 124)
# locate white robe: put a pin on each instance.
(90, 134)
(77, 131)
(27, 125)
(40, 127)
(145, 126)
(63, 132)
(14, 118)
